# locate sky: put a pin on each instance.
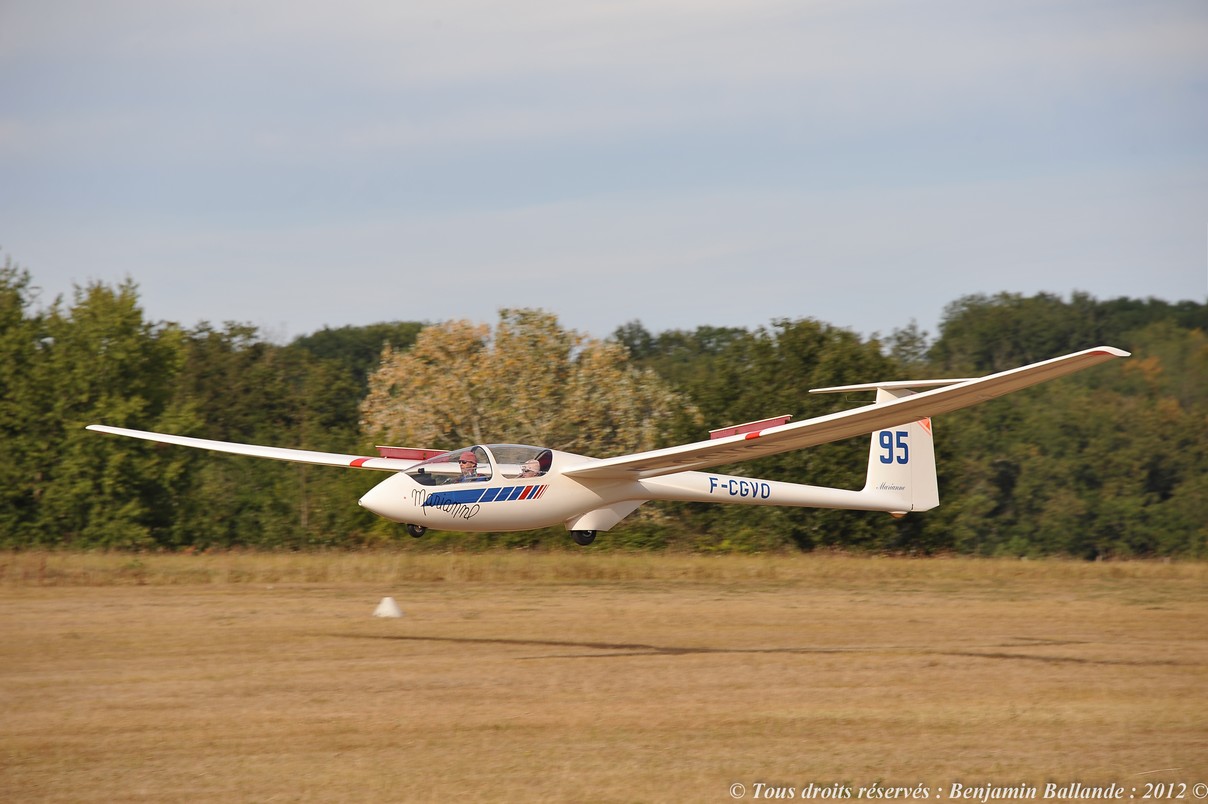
(681, 163)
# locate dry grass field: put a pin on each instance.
(592, 676)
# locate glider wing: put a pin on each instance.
(276, 453)
(838, 426)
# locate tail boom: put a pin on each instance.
(714, 488)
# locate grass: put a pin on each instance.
(57, 568)
(590, 676)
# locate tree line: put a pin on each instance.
(1107, 463)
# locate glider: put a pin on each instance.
(506, 487)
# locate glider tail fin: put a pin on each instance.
(901, 462)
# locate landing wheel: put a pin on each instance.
(415, 531)
(583, 537)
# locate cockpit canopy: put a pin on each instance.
(483, 462)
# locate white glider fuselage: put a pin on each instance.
(589, 504)
(568, 489)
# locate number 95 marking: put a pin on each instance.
(893, 444)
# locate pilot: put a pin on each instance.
(531, 468)
(468, 462)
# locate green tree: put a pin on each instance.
(992, 333)
(250, 390)
(528, 381)
(1109, 462)
(22, 339)
(358, 350)
(101, 361)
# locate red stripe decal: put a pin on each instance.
(540, 490)
(360, 461)
(524, 494)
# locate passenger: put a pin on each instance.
(468, 462)
(531, 468)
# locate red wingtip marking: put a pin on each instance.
(360, 461)
(755, 434)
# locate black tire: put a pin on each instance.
(415, 531)
(583, 537)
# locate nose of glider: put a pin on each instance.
(387, 499)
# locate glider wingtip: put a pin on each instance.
(1110, 351)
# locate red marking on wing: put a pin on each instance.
(360, 461)
(739, 429)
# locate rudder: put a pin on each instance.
(901, 461)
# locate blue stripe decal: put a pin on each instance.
(470, 496)
(462, 496)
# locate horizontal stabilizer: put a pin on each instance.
(896, 385)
